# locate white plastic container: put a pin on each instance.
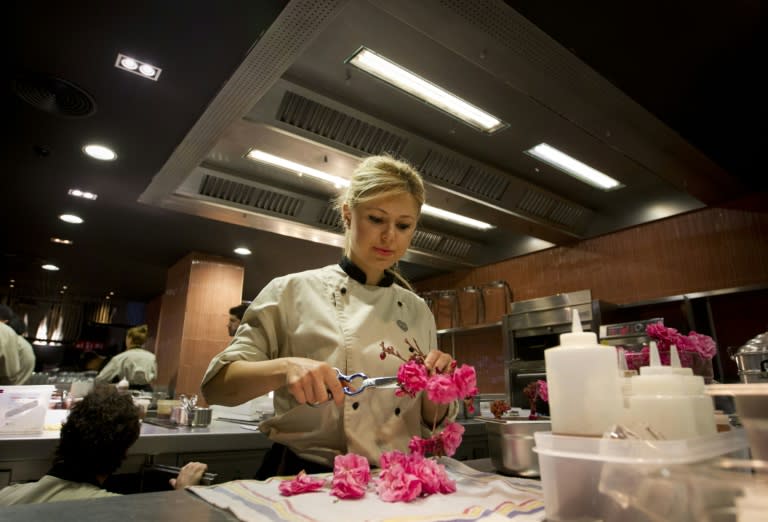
(585, 391)
(23, 408)
(604, 479)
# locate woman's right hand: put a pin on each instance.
(311, 381)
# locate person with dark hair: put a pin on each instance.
(93, 443)
(17, 357)
(304, 325)
(235, 316)
(136, 364)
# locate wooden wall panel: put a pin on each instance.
(707, 250)
(200, 290)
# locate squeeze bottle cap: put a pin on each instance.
(656, 368)
(578, 338)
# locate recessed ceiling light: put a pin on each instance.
(299, 169)
(82, 194)
(242, 251)
(71, 218)
(426, 91)
(100, 152)
(573, 167)
(61, 241)
(132, 65)
(52, 268)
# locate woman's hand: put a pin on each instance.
(189, 475)
(311, 381)
(438, 362)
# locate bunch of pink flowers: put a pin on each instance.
(688, 347)
(403, 477)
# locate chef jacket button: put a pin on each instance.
(343, 291)
(355, 405)
(397, 411)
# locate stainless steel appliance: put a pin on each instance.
(629, 335)
(752, 359)
(534, 325)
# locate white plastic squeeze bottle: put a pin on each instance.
(585, 395)
(670, 399)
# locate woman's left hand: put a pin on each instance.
(438, 362)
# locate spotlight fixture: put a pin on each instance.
(300, 170)
(132, 65)
(242, 251)
(100, 152)
(61, 241)
(82, 194)
(50, 267)
(426, 91)
(71, 218)
(573, 167)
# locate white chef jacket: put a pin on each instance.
(327, 315)
(10, 353)
(50, 489)
(137, 365)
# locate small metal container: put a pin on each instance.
(510, 445)
(200, 417)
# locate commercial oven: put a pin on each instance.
(534, 325)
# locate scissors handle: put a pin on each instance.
(349, 378)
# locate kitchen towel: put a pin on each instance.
(479, 496)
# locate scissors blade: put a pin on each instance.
(379, 382)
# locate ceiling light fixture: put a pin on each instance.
(50, 267)
(426, 91)
(573, 167)
(338, 182)
(242, 251)
(71, 218)
(100, 152)
(132, 65)
(61, 241)
(82, 194)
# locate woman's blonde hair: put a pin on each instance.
(136, 336)
(380, 176)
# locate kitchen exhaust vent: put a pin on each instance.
(554, 210)
(247, 196)
(453, 171)
(313, 117)
(330, 218)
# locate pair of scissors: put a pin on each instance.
(361, 382)
(365, 383)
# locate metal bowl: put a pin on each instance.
(510, 445)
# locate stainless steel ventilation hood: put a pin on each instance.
(293, 96)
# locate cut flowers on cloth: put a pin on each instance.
(691, 347)
(403, 476)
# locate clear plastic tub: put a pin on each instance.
(23, 408)
(626, 480)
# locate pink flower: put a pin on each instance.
(433, 476)
(351, 474)
(543, 390)
(419, 446)
(703, 344)
(396, 484)
(441, 389)
(412, 377)
(465, 380)
(450, 438)
(302, 483)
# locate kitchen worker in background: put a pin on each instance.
(93, 443)
(17, 357)
(136, 364)
(303, 325)
(235, 316)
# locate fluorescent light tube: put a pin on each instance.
(403, 79)
(338, 182)
(573, 167)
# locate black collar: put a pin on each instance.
(356, 273)
(73, 474)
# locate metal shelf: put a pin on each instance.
(462, 329)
